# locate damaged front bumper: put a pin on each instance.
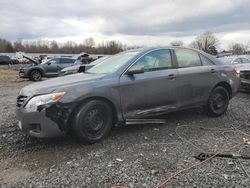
(37, 124)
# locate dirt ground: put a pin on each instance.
(132, 156)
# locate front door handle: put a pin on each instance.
(213, 71)
(171, 76)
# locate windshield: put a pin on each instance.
(226, 60)
(110, 65)
(100, 60)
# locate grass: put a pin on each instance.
(8, 75)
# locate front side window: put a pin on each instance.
(156, 60)
(53, 61)
(187, 58)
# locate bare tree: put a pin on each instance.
(239, 49)
(89, 42)
(45, 46)
(206, 42)
(5, 46)
(176, 43)
(54, 46)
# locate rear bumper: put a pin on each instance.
(37, 124)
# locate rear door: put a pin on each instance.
(65, 62)
(192, 77)
(152, 92)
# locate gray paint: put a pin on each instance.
(139, 96)
(47, 70)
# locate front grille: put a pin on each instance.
(20, 100)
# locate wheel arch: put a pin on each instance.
(38, 69)
(226, 86)
(81, 102)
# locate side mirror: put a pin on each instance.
(138, 69)
(49, 63)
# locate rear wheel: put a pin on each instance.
(35, 75)
(218, 101)
(92, 121)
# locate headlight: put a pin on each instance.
(36, 101)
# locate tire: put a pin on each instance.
(218, 102)
(35, 75)
(91, 122)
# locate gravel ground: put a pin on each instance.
(132, 156)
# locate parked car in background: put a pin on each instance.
(243, 65)
(6, 60)
(126, 88)
(50, 68)
(241, 62)
(80, 66)
(46, 58)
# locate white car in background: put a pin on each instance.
(242, 63)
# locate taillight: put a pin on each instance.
(236, 72)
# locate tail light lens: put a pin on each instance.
(236, 72)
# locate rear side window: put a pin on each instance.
(66, 61)
(155, 60)
(205, 61)
(187, 58)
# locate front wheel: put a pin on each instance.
(92, 121)
(35, 75)
(218, 101)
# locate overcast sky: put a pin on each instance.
(134, 22)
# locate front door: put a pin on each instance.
(153, 92)
(52, 67)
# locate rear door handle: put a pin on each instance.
(171, 76)
(212, 70)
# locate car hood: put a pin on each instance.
(51, 85)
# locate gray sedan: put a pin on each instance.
(50, 68)
(130, 87)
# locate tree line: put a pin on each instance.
(206, 42)
(69, 47)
